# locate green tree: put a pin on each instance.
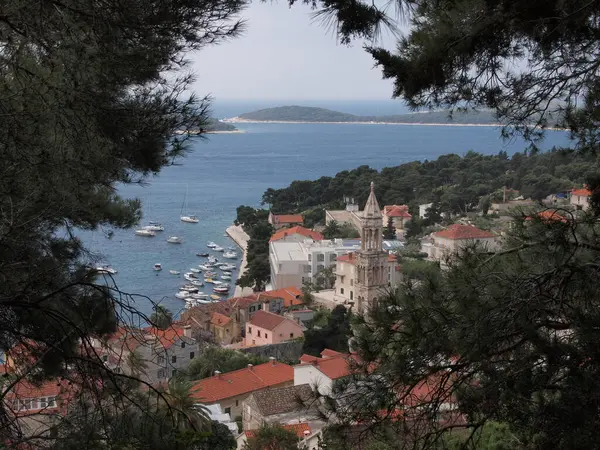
(222, 359)
(272, 437)
(389, 232)
(334, 335)
(325, 278)
(161, 318)
(186, 412)
(220, 438)
(332, 230)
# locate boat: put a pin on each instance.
(197, 283)
(204, 267)
(106, 270)
(215, 297)
(175, 240)
(217, 282)
(221, 289)
(157, 227)
(225, 277)
(209, 280)
(174, 272)
(193, 269)
(211, 244)
(227, 267)
(145, 233)
(185, 217)
(212, 260)
(230, 255)
(188, 287)
(190, 276)
(182, 294)
(210, 274)
(202, 255)
(233, 249)
(226, 272)
(157, 267)
(190, 303)
(218, 249)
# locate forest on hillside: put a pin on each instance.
(457, 183)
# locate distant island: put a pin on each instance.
(305, 114)
(216, 126)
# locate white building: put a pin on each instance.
(451, 240)
(580, 198)
(423, 209)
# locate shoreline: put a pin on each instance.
(241, 238)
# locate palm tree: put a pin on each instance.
(161, 317)
(186, 413)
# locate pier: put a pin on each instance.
(241, 238)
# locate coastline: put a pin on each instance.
(241, 238)
(422, 124)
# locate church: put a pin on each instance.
(365, 274)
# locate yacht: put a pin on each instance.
(210, 274)
(190, 219)
(215, 297)
(174, 272)
(182, 294)
(204, 267)
(227, 267)
(154, 227)
(190, 276)
(145, 233)
(157, 267)
(211, 244)
(197, 283)
(218, 249)
(193, 269)
(185, 217)
(105, 270)
(223, 289)
(188, 287)
(226, 272)
(230, 255)
(225, 277)
(212, 260)
(175, 240)
(200, 295)
(202, 255)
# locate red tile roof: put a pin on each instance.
(298, 428)
(291, 296)
(267, 320)
(332, 364)
(581, 192)
(219, 319)
(458, 231)
(307, 359)
(166, 337)
(549, 215)
(287, 218)
(314, 235)
(328, 353)
(349, 258)
(396, 211)
(242, 381)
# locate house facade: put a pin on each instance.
(285, 220)
(222, 327)
(456, 237)
(266, 328)
(399, 215)
(320, 373)
(580, 198)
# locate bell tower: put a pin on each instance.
(371, 276)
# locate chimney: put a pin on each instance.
(218, 374)
(250, 366)
(273, 360)
(187, 331)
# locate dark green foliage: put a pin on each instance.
(454, 184)
(220, 438)
(312, 217)
(334, 335)
(216, 125)
(337, 230)
(272, 437)
(161, 317)
(311, 114)
(325, 278)
(389, 232)
(222, 359)
(255, 223)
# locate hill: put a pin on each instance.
(215, 125)
(311, 114)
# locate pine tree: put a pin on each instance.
(389, 231)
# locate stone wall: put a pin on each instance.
(289, 351)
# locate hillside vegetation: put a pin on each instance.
(311, 114)
(457, 183)
(216, 125)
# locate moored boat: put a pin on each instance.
(157, 267)
(182, 294)
(145, 233)
(153, 227)
(218, 249)
(215, 297)
(223, 289)
(202, 254)
(204, 267)
(230, 255)
(193, 269)
(211, 244)
(174, 272)
(190, 276)
(190, 219)
(105, 270)
(197, 283)
(175, 240)
(225, 277)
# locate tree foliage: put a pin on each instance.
(256, 225)
(92, 95)
(161, 318)
(222, 359)
(389, 232)
(334, 335)
(272, 437)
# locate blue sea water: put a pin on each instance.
(228, 170)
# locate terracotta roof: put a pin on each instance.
(289, 295)
(581, 192)
(332, 364)
(282, 400)
(287, 218)
(314, 235)
(298, 428)
(166, 337)
(349, 258)
(307, 359)
(549, 215)
(267, 320)
(396, 211)
(242, 381)
(24, 390)
(219, 319)
(392, 258)
(458, 231)
(328, 353)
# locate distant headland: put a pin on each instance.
(305, 114)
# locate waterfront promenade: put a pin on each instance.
(241, 238)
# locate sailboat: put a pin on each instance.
(184, 215)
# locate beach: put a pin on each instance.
(241, 238)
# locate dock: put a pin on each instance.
(241, 238)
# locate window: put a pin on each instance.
(341, 290)
(266, 336)
(320, 257)
(174, 372)
(228, 410)
(351, 282)
(320, 267)
(251, 309)
(105, 358)
(249, 330)
(161, 360)
(26, 404)
(15, 404)
(237, 403)
(42, 403)
(183, 345)
(258, 333)
(117, 370)
(291, 335)
(192, 355)
(307, 268)
(351, 295)
(161, 373)
(332, 257)
(173, 359)
(46, 402)
(260, 306)
(253, 342)
(51, 402)
(310, 257)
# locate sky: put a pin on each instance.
(286, 54)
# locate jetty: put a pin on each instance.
(241, 238)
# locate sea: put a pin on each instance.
(224, 171)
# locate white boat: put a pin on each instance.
(174, 272)
(230, 255)
(217, 282)
(188, 287)
(175, 240)
(218, 249)
(227, 267)
(204, 267)
(212, 260)
(221, 289)
(105, 270)
(182, 294)
(197, 283)
(211, 244)
(226, 272)
(193, 269)
(157, 227)
(145, 233)
(199, 295)
(190, 276)
(185, 217)
(225, 277)
(157, 267)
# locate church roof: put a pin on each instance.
(372, 210)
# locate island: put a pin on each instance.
(216, 126)
(305, 114)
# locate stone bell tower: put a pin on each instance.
(371, 261)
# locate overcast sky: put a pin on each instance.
(285, 54)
